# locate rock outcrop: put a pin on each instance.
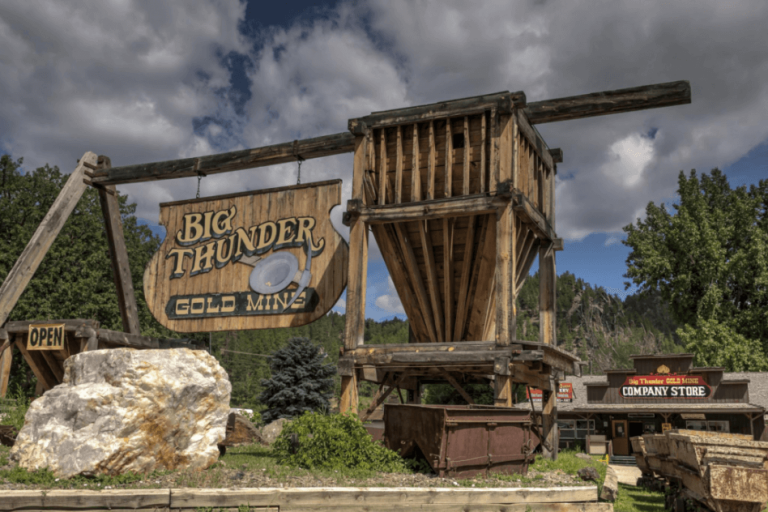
(270, 433)
(240, 431)
(121, 410)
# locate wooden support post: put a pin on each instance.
(349, 399)
(502, 383)
(547, 291)
(358, 271)
(24, 269)
(44, 375)
(5, 367)
(506, 238)
(453, 382)
(121, 270)
(549, 447)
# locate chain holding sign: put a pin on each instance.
(258, 260)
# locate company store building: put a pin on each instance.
(661, 392)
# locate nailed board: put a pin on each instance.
(238, 261)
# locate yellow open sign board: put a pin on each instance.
(46, 337)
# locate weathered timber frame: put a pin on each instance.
(494, 224)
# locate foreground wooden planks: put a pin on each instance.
(374, 499)
(81, 499)
(328, 499)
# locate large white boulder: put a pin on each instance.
(121, 410)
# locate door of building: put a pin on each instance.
(620, 439)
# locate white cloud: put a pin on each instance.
(390, 301)
(129, 78)
(341, 305)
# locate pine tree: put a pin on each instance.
(300, 381)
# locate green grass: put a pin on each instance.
(46, 478)
(569, 463)
(638, 499)
(4, 451)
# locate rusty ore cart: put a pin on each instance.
(710, 470)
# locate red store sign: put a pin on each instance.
(665, 386)
(564, 393)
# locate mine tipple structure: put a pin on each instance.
(460, 198)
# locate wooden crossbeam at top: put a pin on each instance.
(547, 111)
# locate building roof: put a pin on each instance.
(758, 385)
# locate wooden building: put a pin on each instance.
(661, 391)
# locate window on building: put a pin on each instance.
(710, 425)
(575, 429)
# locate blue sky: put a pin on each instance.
(147, 81)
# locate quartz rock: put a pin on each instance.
(120, 410)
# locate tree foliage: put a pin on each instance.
(74, 279)
(300, 381)
(709, 262)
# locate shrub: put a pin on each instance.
(300, 381)
(334, 441)
(15, 415)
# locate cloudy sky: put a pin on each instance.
(143, 81)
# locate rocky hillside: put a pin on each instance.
(598, 327)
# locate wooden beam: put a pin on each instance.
(6, 358)
(448, 167)
(24, 268)
(285, 152)
(467, 147)
(415, 276)
(53, 364)
(448, 231)
(126, 339)
(477, 346)
(383, 167)
(118, 254)
(453, 382)
(549, 443)
(483, 152)
(399, 167)
(348, 402)
(466, 272)
(503, 101)
(383, 396)
(535, 140)
(533, 217)
(460, 206)
(481, 288)
(609, 102)
(431, 163)
(393, 257)
(70, 325)
(506, 252)
(434, 286)
(358, 256)
(39, 368)
(557, 155)
(547, 296)
(415, 172)
(527, 267)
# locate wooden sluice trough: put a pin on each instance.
(79, 335)
(720, 471)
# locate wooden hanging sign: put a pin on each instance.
(256, 260)
(45, 337)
